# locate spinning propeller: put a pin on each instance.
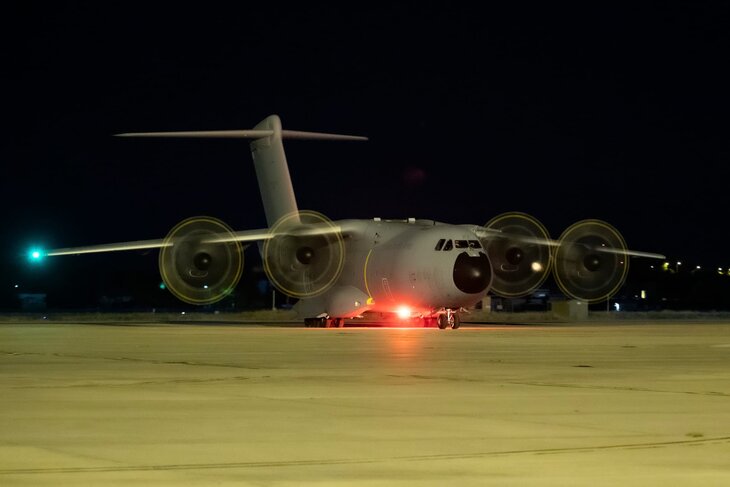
(591, 261)
(518, 248)
(305, 255)
(196, 264)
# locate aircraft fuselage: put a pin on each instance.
(418, 265)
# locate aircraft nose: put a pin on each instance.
(472, 274)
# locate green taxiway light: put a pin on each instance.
(36, 255)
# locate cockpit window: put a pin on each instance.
(444, 244)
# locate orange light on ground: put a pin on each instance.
(403, 312)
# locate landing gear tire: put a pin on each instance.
(455, 321)
(317, 322)
(449, 320)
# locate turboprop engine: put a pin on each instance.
(589, 262)
(305, 254)
(200, 262)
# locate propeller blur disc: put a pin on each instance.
(305, 256)
(591, 261)
(520, 254)
(195, 269)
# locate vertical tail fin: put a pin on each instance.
(269, 159)
(272, 171)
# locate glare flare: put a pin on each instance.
(403, 312)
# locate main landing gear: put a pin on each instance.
(324, 322)
(447, 319)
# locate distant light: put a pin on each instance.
(403, 312)
(536, 267)
(643, 294)
(698, 267)
(651, 266)
(617, 306)
(35, 255)
(679, 263)
(162, 285)
(205, 286)
(16, 286)
(182, 313)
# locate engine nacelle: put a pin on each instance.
(591, 261)
(305, 256)
(200, 260)
(519, 252)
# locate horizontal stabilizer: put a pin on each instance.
(204, 134)
(243, 134)
(296, 134)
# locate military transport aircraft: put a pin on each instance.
(419, 269)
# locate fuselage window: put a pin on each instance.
(474, 244)
(461, 244)
(440, 244)
(448, 245)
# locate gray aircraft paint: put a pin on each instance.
(272, 172)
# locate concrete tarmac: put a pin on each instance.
(600, 404)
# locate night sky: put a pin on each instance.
(565, 113)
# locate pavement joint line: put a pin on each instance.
(129, 359)
(354, 461)
(620, 388)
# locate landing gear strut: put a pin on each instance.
(449, 319)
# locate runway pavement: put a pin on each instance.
(600, 404)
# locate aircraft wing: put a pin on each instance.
(245, 236)
(111, 247)
(490, 233)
